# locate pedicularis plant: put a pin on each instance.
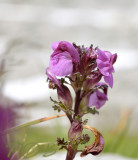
(84, 69)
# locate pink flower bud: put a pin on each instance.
(75, 130)
(64, 96)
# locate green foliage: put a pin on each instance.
(44, 141)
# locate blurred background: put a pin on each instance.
(27, 30)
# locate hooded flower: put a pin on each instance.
(63, 57)
(105, 61)
(98, 98)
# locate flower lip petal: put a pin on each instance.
(61, 64)
(93, 99)
(109, 80)
(52, 77)
(98, 98)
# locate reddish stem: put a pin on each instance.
(71, 153)
(77, 102)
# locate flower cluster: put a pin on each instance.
(89, 71)
(85, 66)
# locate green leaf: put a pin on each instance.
(33, 149)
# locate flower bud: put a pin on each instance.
(64, 96)
(89, 57)
(93, 79)
(75, 130)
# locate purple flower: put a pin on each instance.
(105, 61)
(98, 98)
(63, 57)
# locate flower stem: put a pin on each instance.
(71, 153)
(77, 103)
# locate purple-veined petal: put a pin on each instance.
(61, 64)
(109, 80)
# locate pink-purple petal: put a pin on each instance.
(108, 54)
(105, 71)
(102, 64)
(52, 77)
(66, 46)
(101, 55)
(105, 61)
(109, 80)
(97, 99)
(61, 65)
(93, 99)
(101, 95)
(55, 45)
(113, 58)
